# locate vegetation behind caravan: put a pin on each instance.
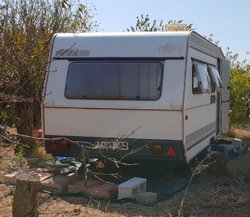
(240, 89)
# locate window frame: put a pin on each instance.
(154, 60)
(215, 77)
(196, 74)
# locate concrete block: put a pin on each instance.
(146, 198)
(106, 191)
(58, 183)
(37, 133)
(237, 143)
(1, 176)
(80, 186)
(131, 188)
(9, 178)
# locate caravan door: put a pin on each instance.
(225, 96)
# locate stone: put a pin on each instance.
(9, 178)
(106, 191)
(131, 188)
(58, 183)
(83, 187)
(146, 198)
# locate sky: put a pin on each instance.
(227, 20)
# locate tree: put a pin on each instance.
(26, 30)
(240, 92)
(143, 24)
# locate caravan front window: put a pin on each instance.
(201, 80)
(131, 80)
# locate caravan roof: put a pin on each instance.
(105, 45)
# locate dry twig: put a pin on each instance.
(198, 169)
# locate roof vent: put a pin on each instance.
(174, 27)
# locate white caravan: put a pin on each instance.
(145, 95)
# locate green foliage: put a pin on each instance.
(144, 24)
(239, 89)
(210, 38)
(26, 30)
(240, 94)
(6, 112)
(234, 60)
(18, 162)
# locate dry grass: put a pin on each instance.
(209, 195)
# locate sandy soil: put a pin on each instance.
(209, 195)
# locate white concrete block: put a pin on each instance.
(131, 188)
(146, 198)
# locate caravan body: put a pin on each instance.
(146, 96)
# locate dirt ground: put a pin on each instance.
(209, 195)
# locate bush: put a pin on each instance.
(240, 94)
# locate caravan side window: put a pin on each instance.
(115, 80)
(201, 79)
(215, 77)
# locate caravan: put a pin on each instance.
(159, 96)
